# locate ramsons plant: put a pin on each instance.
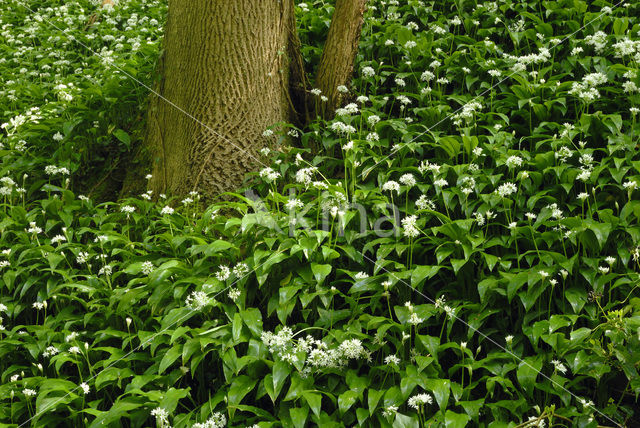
(458, 247)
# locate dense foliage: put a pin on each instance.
(459, 247)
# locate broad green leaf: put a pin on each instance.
(441, 389)
(456, 420)
(299, 416)
(346, 400)
(320, 272)
(528, 371)
(240, 387)
(170, 357)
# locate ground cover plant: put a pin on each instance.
(458, 247)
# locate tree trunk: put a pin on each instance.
(226, 78)
(229, 70)
(339, 53)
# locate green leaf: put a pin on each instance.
(299, 416)
(456, 420)
(236, 327)
(404, 421)
(252, 318)
(528, 371)
(346, 400)
(281, 371)
(373, 398)
(320, 272)
(314, 401)
(217, 247)
(171, 397)
(123, 137)
(240, 387)
(422, 273)
(170, 357)
(441, 389)
(577, 298)
(601, 230)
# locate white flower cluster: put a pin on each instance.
(409, 228)
(424, 203)
(597, 40)
(217, 420)
(342, 128)
(587, 89)
(305, 175)
(269, 174)
(197, 300)
(417, 401)
(54, 170)
(467, 113)
(316, 353)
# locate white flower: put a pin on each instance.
(269, 174)
(29, 392)
(343, 89)
(373, 119)
(441, 182)
(127, 209)
(147, 267)
(392, 359)
(224, 273)
(408, 180)
(34, 229)
(234, 293)
(82, 257)
(391, 186)
(85, 388)
(559, 366)
(508, 339)
(348, 146)
(352, 348)
(427, 76)
(217, 420)
(162, 417)
(414, 319)
(506, 189)
(167, 210)
(390, 411)
(419, 400)
(603, 269)
(373, 137)
(630, 185)
(583, 195)
(368, 71)
(610, 260)
(294, 203)
(240, 270)
(50, 351)
(58, 238)
(409, 228)
(584, 175)
(514, 161)
(361, 275)
(197, 300)
(424, 203)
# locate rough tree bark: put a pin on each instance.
(339, 53)
(229, 70)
